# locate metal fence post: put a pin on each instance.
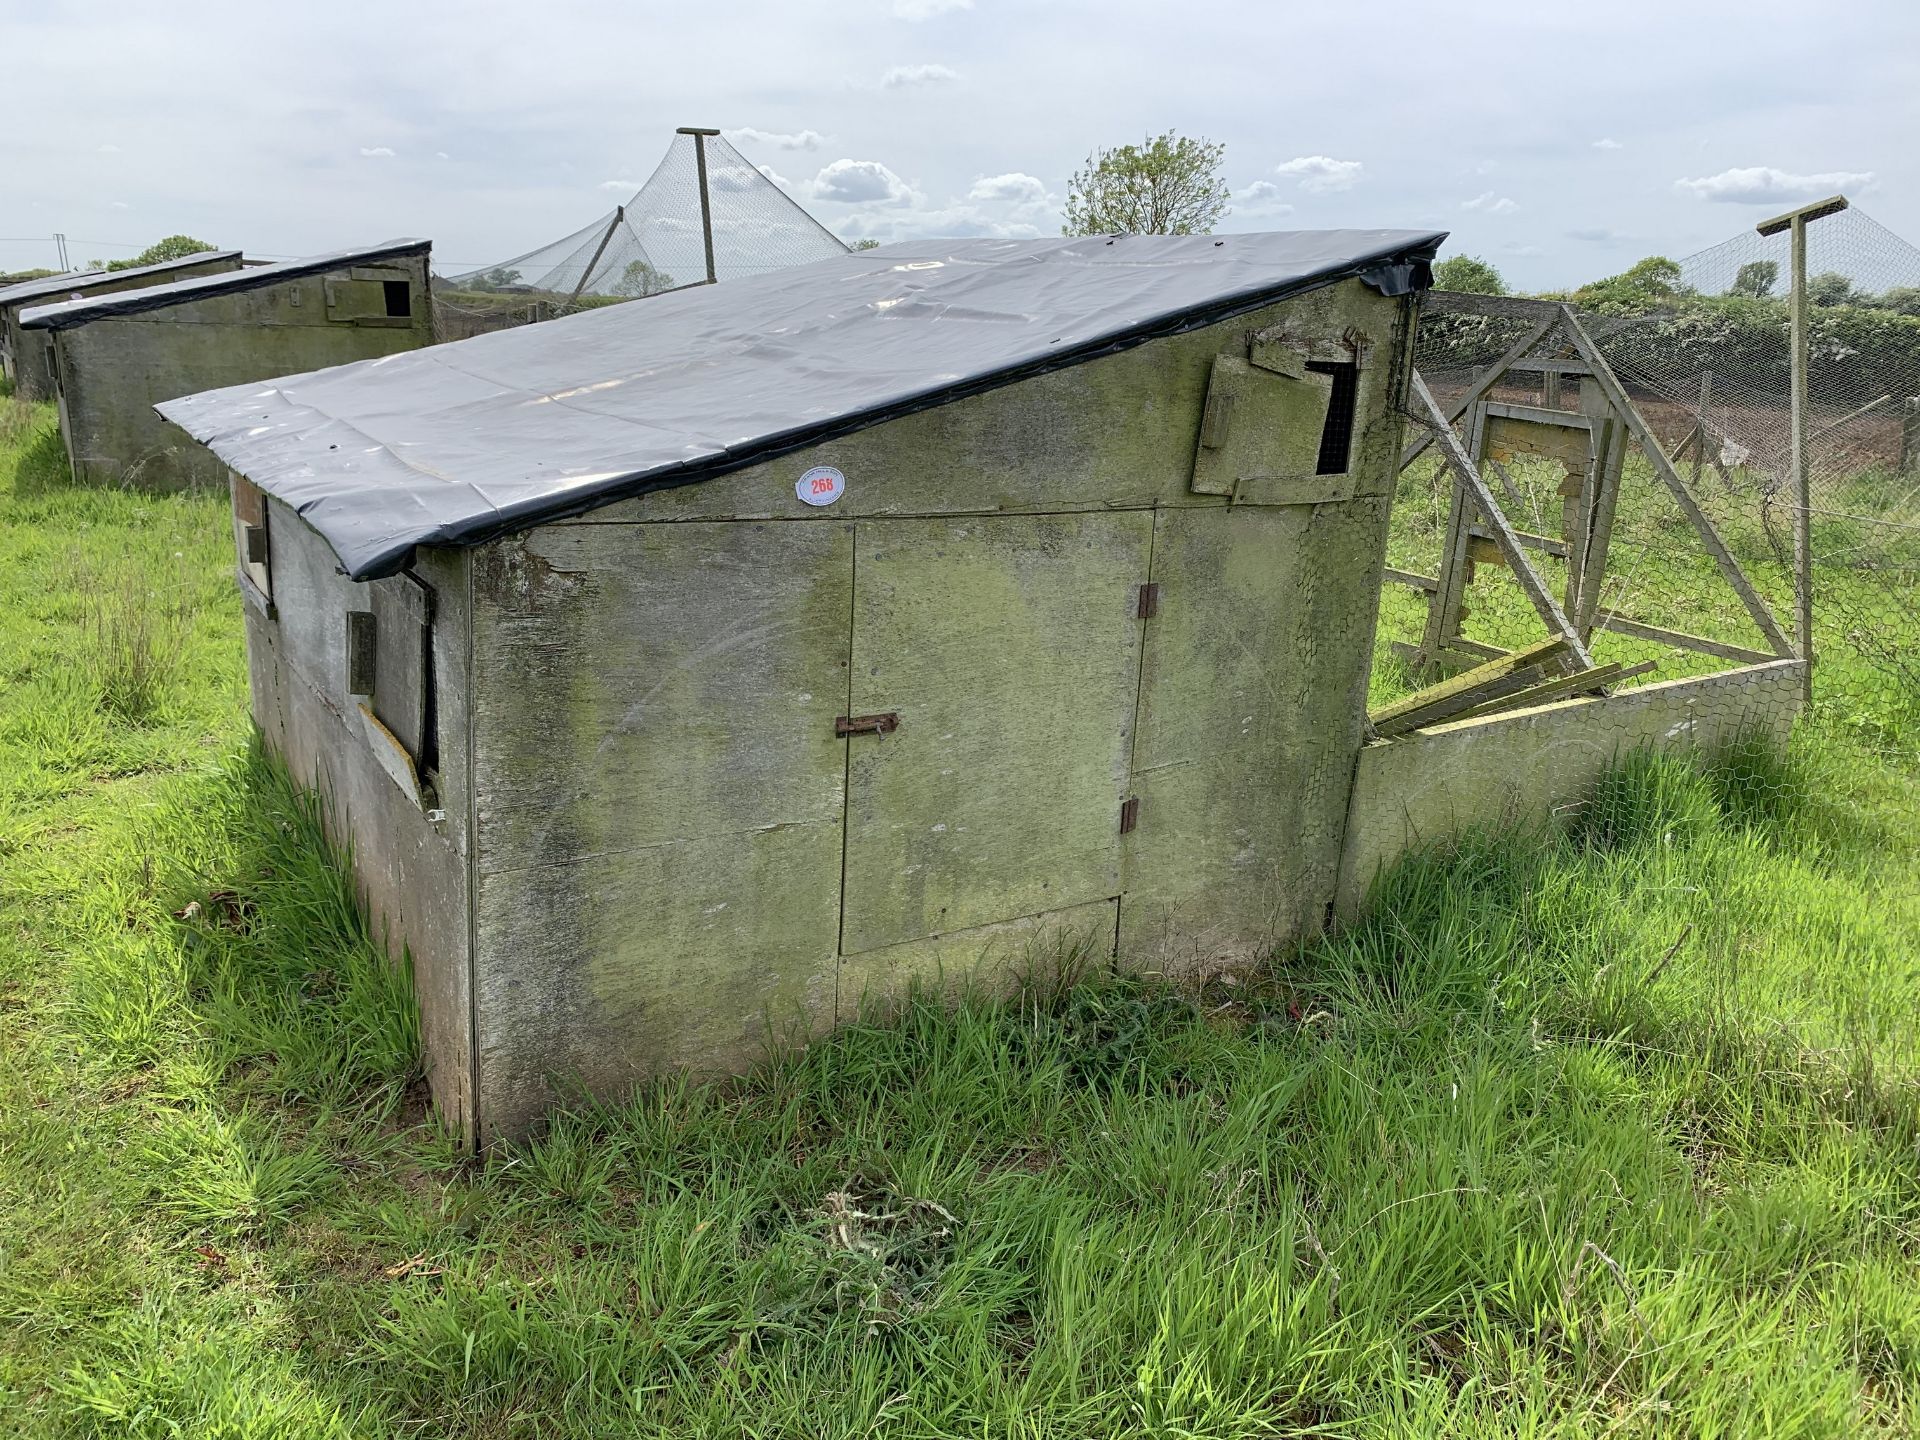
(1796, 222)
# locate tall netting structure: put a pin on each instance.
(1682, 562)
(1720, 360)
(705, 214)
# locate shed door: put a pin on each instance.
(1009, 648)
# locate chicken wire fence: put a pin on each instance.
(655, 242)
(1695, 568)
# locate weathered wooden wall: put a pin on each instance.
(1530, 767)
(411, 868)
(24, 353)
(665, 871)
(111, 371)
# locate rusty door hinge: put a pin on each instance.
(1129, 814)
(1148, 604)
(867, 724)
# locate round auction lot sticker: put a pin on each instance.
(822, 485)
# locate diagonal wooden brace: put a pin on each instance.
(1483, 387)
(1427, 411)
(1722, 557)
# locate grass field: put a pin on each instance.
(1613, 1134)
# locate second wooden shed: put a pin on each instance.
(113, 356)
(685, 673)
(24, 358)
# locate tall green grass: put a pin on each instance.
(1607, 1132)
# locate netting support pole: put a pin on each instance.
(1700, 427)
(619, 217)
(1796, 223)
(1802, 485)
(706, 204)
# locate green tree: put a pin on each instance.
(1648, 284)
(640, 278)
(1830, 287)
(1167, 185)
(1468, 275)
(174, 247)
(498, 278)
(1756, 279)
(1902, 300)
(866, 245)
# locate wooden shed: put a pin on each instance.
(686, 671)
(113, 357)
(24, 358)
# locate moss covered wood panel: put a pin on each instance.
(660, 798)
(1009, 647)
(990, 959)
(1114, 432)
(1252, 700)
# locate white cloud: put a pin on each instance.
(956, 220)
(861, 182)
(630, 186)
(109, 149)
(119, 205)
(1491, 203)
(732, 179)
(927, 9)
(1764, 185)
(779, 140)
(1262, 197)
(376, 152)
(1607, 144)
(774, 175)
(1321, 173)
(441, 155)
(1013, 186)
(901, 75)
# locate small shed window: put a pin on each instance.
(390, 663)
(250, 534)
(1336, 431)
(369, 296)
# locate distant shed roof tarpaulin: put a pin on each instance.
(460, 443)
(51, 287)
(255, 277)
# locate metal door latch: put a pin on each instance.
(867, 724)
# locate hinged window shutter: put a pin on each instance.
(1260, 438)
(250, 533)
(403, 664)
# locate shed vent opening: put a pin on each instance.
(400, 299)
(1336, 434)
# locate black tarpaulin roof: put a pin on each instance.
(66, 315)
(457, 444)
(51, 287)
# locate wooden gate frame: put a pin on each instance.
(1555, 347)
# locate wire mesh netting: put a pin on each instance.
(1707, 369)
(653, 243)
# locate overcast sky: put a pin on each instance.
(1562, 142)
